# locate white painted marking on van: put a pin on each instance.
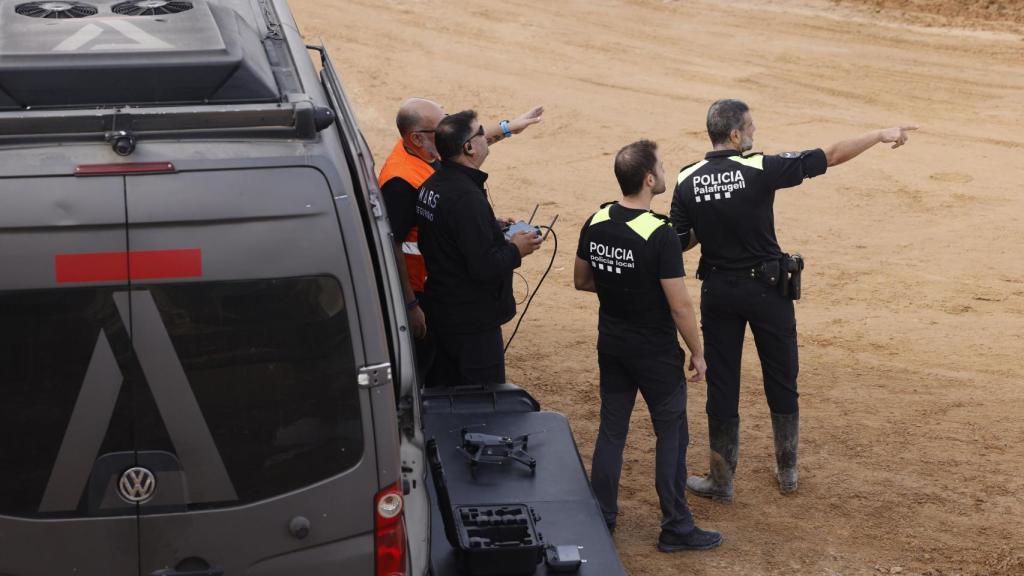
(86, 34)
(143, 40)
(140, 39)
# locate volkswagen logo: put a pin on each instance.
(137, 485)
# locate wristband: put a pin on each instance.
(504, 128)
(410, 305)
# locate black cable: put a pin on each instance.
(537, 289)
(527, 282)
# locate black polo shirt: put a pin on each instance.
(469, 262)
(634, 318)
(728, 200)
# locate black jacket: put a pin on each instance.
(469, 262)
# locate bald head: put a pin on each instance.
(418, 114)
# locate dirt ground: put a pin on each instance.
(911, 335)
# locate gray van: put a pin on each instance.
(205, 365)
(194, 319)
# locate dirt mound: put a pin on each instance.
(1001, 15)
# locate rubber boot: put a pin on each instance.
(786, 428)
(725, 445)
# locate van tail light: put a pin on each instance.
(389, 531)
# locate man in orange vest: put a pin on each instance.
(413, 159)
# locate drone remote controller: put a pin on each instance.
(528, 226)
(520, 227)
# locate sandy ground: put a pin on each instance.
(911, 322)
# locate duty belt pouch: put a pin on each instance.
(792, 266)
(768, 272)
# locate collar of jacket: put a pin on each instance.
(726, 154)
(478, 177)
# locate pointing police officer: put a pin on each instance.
(631, 258)
(726, 203)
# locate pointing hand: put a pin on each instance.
(897, 135)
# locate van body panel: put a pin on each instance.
(268, 343)
(256, 538)
(326, 560)
(54, 355)
(43, 218)
(73, 546)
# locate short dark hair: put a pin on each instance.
(453, 132)
(724, 116)
(633, 163)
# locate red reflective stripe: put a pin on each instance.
(103, 267)
(166, 264)
(114, 266)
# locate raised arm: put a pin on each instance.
(494, 133)
(846, 150)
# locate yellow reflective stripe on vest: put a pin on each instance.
(686, 173)
(755, 161)
(411, 248)
(645, 224)
(601, 215)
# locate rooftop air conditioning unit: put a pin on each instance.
(63, 53)
(151, 7)
(55, 9)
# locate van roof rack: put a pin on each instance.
(300, 118)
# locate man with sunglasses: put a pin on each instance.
(412, 160)
(468, 292)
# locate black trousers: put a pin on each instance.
(661, 380)
(728, 304)
(473, 359)
(426, 351)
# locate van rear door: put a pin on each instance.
(248, 346)
(64, 349)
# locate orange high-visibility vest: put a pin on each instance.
(412, 169)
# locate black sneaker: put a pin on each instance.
(696, 539)
(611, 528)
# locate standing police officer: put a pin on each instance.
(631, 258)
(726, 203)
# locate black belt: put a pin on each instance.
(758, 272)
(783, 273)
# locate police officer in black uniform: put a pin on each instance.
(726, 203)
(468, 293)
(631, 258)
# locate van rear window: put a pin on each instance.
(47, 340)
(270, 364)
(272, 367)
